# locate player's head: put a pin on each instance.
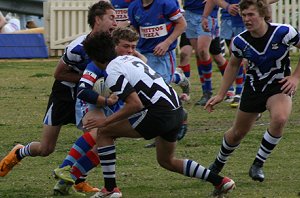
(253, 13)
(260, 5)
(100, 47)
(125, 40)
(101, 17)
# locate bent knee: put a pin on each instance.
(46, 152)
(165, 163)
(279, 120)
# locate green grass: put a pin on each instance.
(24, 91)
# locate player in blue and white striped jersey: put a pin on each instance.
(152, 109)
(61, 105)
(269, 83)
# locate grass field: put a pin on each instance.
(24, 91)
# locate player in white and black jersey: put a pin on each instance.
(152, 110)
(269, 83)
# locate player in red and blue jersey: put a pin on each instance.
(121, 7)
(159, 24)
(204, 43)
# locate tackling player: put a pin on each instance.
(83, 149)
(61, 106)
(151, 110)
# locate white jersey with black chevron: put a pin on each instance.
(126, 74)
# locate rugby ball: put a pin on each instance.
(101, 89)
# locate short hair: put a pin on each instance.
(261, 6)
(124, 33)
(100, 47)
(98, 9)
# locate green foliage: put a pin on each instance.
(25, 88)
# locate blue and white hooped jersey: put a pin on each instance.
(75, 55)
(121, 7)
(126, 74)
(268, 56)
(154, 23)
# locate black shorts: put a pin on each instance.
(183, 40)
(165, 124)
(61, 105)
(255, 102)
(215, 47)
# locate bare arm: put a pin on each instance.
(162, 48)
(232, 9)
(209, 6)
(63, 72)
(132, 105)
(2, 21)
(229, 76)
(140, 56)
(290, 83)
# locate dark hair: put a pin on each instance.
(98, 9)
(261, 6)
(124, 33)
(100, 47)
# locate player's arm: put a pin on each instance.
(140, 56)
(230, 73)
(232, 9)
(64, 72)
(290, 83)
(132, 105)
(85, 90)
(86, 93)
(209, 6)
(2, 21)
(162, 48)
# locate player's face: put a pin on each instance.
(125, 47)
(107, 23)
(252, 20)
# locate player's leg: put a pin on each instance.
(232, 138)
(165, 152)
(107, 154)
(83, 156)
(279, 106)
(51, 128)
(204, 67)
(186, 51)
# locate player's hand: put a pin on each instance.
(209, 106)
(112, 99)
(93, 122)
(204, 24)
(233, 9)
(161, 49)
(290, 84)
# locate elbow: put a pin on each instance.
(138, 107)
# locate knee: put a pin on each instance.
(279, 120)
(202, 54)
(183, 56)
(46, 151)
(165, 163)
